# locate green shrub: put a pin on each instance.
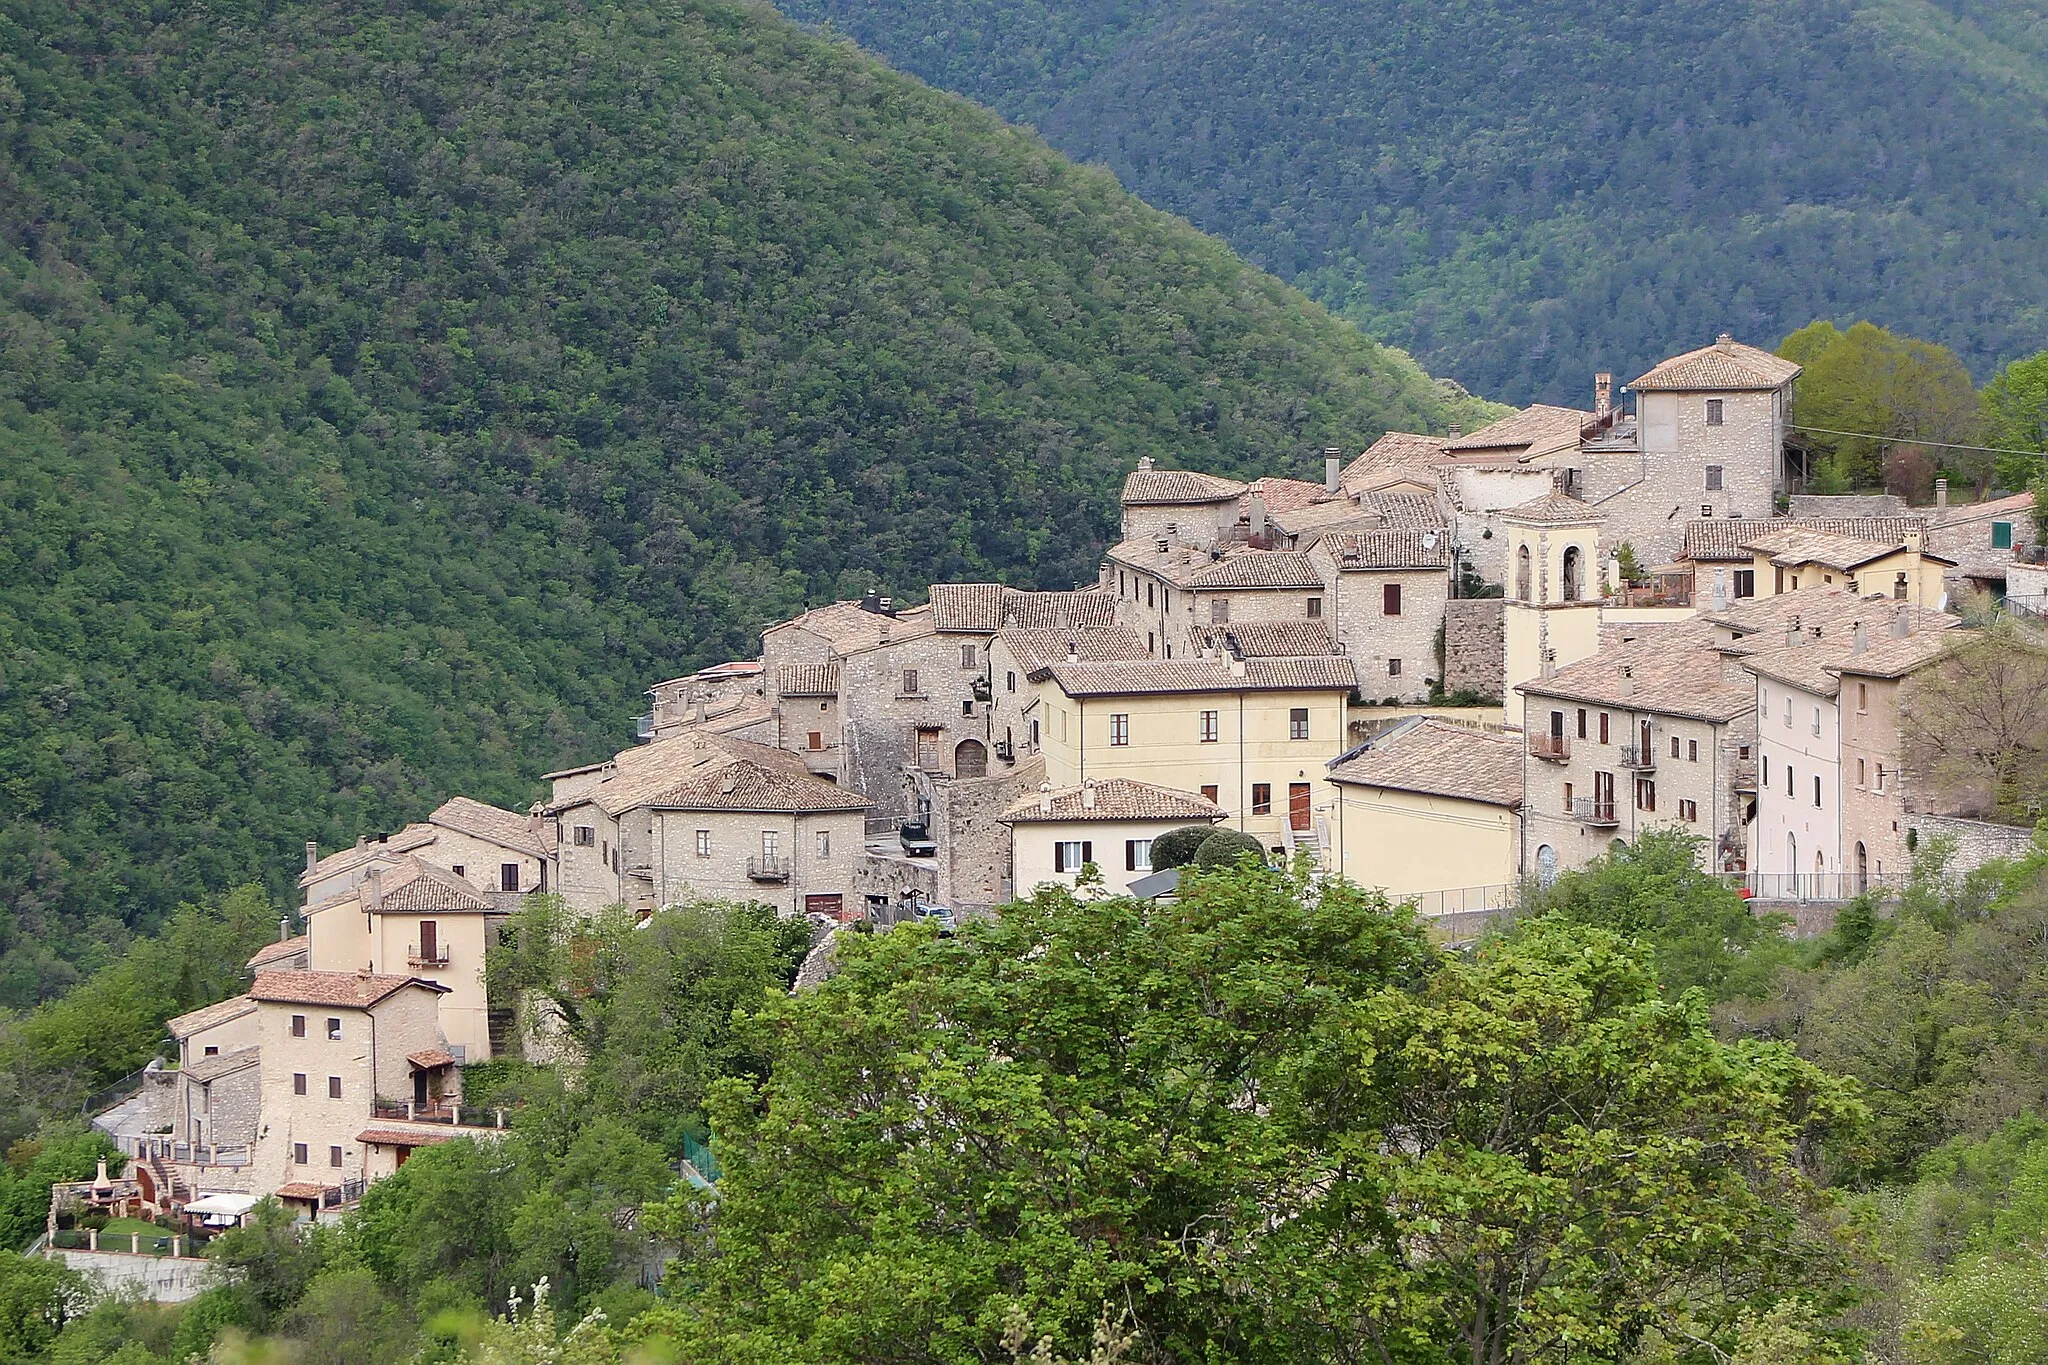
(1224, 847)
(1177, 847)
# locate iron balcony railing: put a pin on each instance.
(1641, 757)
(1556, 748)
(1589, 810)
(437, 957)
(769, 867)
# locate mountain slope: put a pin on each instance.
(388, 394)
(1523, 193)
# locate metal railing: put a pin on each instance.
(1811, 886)
(768, 867)
(1556, 748)
(698, 1158)
(437, 1111)
(1589, 810)
(1641, 757)
(438, 958)
(643, 726)
(333, 1197)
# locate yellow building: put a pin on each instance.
(1110, 824)
(1251, 735)
(1431, 811)
(1790, 559)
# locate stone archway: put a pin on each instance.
(970, 759)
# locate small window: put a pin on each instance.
(1745, 582)
(299, 1156)
(1209, 727)
(1148, 595)
(2001, 535)
(1706, 511)
(298, 1082)
(1010, 680)
(1119, 729)
(1646, 794)
(1767, 770)
(1219, 611)
(1390, 599)
(1674, 746)
(1603, 727)
(298, 1026)
(460, 870)
(1789, 785)
(334, 1087)
(967, 707)
(1393, 668)
(1315, 608)
(1582, 722)
(824, 843)
(1297, 723)
(1071, 855)
(1262, 798)
(1713, 478)
(815, 740)
(967, 656)
(909, 682)
(1209, 792)
(703, 843)
(1692, 751)
(585, 836)
(1862, 775)
(334, 1156)
(1742, 752)
(1568, 790)
(1816, 791)
(1880, 779)
(333, 1029)
(508, 876)
(1689, 811)
(1714, 412)
(1862, 696)
(212, 1051)
(1137, 855)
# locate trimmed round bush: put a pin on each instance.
(1224, 847)
(1177, 847)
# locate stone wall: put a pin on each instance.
(162, 1279)
(1475, 645)
(1976, 842)
(1848, 505)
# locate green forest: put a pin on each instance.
(1270, 1122)
(389, 394)
(1522, 194)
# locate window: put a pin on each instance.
(430, 941)
(1390, 599)
(299, 1153)
(1315, 608)
(1072, 855)
(1567, 798)
(1582, 722)
(1646, 794)
(1209, 727)
(1674, 746)
(508, 876)
(1689, 810)
(1692, 751)
(824, 843)
(1262, 798)
(703, 843)
(1788, 780)
(1010, 680)
(334, 1087)
(1745, 582)
(967, 707)
(1816, 791)
(1714, 412)
(771, 845)
(1713, 478)
(1816, 720)
(1148, 595)
(1788, 713)
(298, 1026)
(1603, 727)
(334, 1156)
(815, 740)
(1862, 774)
(1297, 723)
(1880, 779)
(967, 656)
(1393, 668)
(1219, 611)
(1862, 696)
(298, 1082)
(1119, 729)
(1034, 732)
(2001, 535)
(585, 836)
(212, 1051)
(1574, 574)
(333, 1029)
(460, 870)
(909, 682)
(1137, 855)
(1767, 770)
(1742, 752)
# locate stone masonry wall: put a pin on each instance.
(1475, 642)
(1977, 842)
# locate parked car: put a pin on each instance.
(940, 915)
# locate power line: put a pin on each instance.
(1911, 440)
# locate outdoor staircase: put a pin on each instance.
(502, 1021)
(171, 1189)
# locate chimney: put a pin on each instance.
(888, 606)
(362, 841)
(1902, 622)
(1333, 465)
(1455, 432)
(1603, 394)
(1858, 639)
(1724, 343)
(1045, 798)
(1237, 668)
(284, 929)
(373, 882)
(700, 710)
(1088, 794)
(1258, 515)
(1628, 681)
(1160, 544)
(312, 854)
(1941, 495)
(1144, 463)
(1073, 653)
(871, 600)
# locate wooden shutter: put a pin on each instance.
(1087, 852)
(1130, 855)
(430, 941)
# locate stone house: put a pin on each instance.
(1985, 539)
(1179, 506)
(501, 852)
(723, 692)
(1724, 570)
(1250, 735)
(1430, 811)
(1787, 559)
(1386, 597)
(1109, 823)
(702, 815)
(1020, 666)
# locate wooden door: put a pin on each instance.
(1297, 805)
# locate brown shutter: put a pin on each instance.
(1087, 852)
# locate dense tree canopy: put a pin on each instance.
(388, 395)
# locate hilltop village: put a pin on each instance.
(1457, 663)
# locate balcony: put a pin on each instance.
(768, 868)
(643, 726)
(436, 956)
(1642, 758)
(1556, 748)
(1589, 810)
(438, 1110)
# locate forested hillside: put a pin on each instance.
(1524, 193)
(388, 394)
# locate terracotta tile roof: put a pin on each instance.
(807, 680)
(1036, 651)
(975, 607)
(303, 1189)
(2017, 507)
(1439, 758)
(431, 1058)
(1176, 564)
(1804, 665)
(1395, 457)
(408, 1137)
(347, 990)
(1554, 508)
(1284, 495)
(1405, 549)
(1666, 669)
(1336, 514)
(1258, 569)
(213, 1068)
(1798, 545)
(694, 770)
(850, 627)
(1081, 607)
(1142, 677)
(279, 951)
(1720, 540)
(347, 860)
(1269, 639)
(1727, 364)
(1146, 485)
(1894, 656)
(1825, 608)
(1419, 511)
(410, 885)
(1115, 798)
(1539, 425)
(210, 1016)
(507, 829)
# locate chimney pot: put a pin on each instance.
(1859, 640)
(1724, 342)
(284, 929)
(1144, 462)
(1941, 495)
(1088, 794)
(1333, 466)
(1902, 622)
(1258, 515)
(312, 854)
(1455, 431)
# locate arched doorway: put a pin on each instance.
(970, 759)
(1522, 575)
(1574, 572)
(1862, 868)
(1546, 864)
